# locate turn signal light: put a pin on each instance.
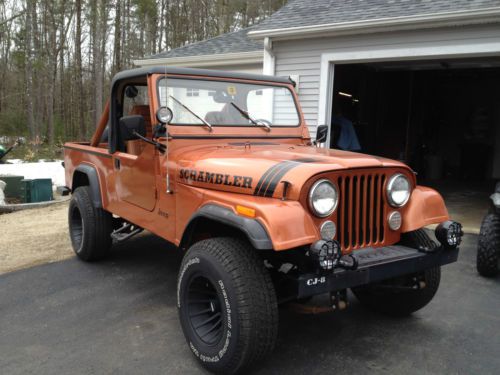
(246, 211)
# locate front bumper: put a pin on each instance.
(374, 264)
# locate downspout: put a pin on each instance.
(269, 57)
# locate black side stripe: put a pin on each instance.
(271, 178)
(271, 188)
(271, 185)
(265, 176)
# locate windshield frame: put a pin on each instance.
(241, 81)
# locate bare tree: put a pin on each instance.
(30, 9)
(57, 56)
(82, 130)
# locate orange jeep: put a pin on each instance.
(222, 165)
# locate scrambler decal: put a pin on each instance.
(216, 178)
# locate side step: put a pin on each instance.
(125, 232)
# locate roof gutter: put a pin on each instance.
(238, 58)
(463, 17)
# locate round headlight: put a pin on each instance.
(398, 190)
(323, 198)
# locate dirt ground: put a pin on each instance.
(32, 237)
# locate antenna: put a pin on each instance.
(169, 191)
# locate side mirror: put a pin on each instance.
(321, 134)
(129, 125)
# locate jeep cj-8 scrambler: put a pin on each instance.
(222, 165)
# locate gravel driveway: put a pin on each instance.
(33, 237)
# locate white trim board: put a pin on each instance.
(238, 58)
(390, 53)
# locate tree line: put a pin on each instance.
(57, 57)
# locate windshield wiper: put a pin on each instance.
(207, 124)
(249, 118)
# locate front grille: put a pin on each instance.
(361, 210)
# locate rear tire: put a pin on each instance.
(488, 249)
(227, 305)
(89, 227)
(397, 301)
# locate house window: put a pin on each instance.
(258, 92)
(192, 92)
(211, 93)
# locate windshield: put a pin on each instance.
(214, 102)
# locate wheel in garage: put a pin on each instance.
(227, 305)
(488, 250)
(403, 295)
(89, 227)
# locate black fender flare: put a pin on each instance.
(252, 228)
(93, 182)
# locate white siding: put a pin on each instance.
(303, 57)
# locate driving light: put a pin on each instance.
(323, 198)
(449, 234)
(394, 220)
(326, 253)
(328, 230)
(164, 115)
(398, 190)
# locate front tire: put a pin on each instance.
(488, 250)
(396, 297)
(89, 227)
(227, 305)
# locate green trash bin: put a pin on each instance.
(13, 186)
(37, 190)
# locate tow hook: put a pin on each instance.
(339, 300)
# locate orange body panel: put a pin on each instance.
(426, 206)
(249, 166)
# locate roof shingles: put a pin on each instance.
(298, 13)
(226, 43)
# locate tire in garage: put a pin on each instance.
(396, 297)
(89, 227)
(227, 305)
(488, 250)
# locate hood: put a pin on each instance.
(259, 168)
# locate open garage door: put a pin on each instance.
(440, 117)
